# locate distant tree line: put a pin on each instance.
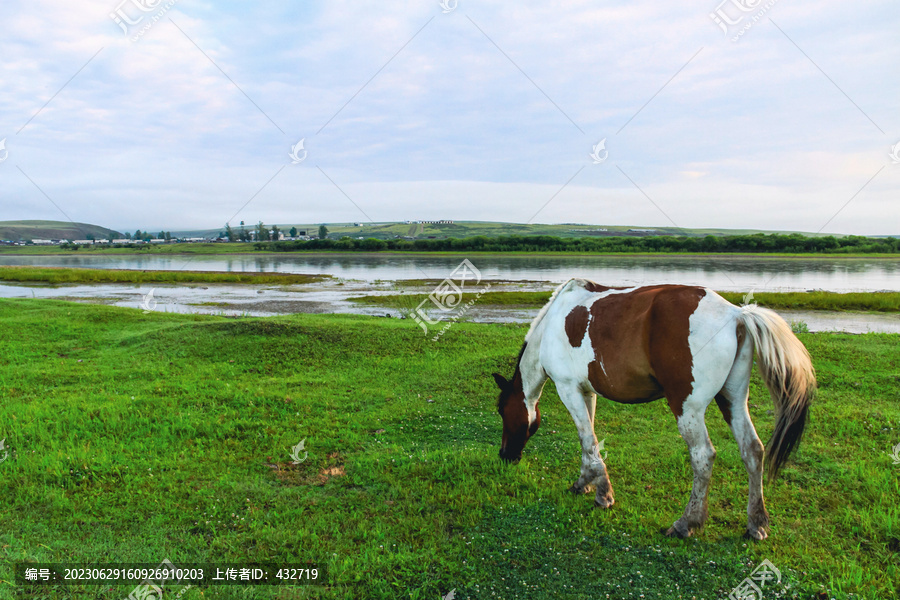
(756, 243)
(261, 233)
(144, 236)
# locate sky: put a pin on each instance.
(187, 114)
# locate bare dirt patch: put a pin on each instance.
(307, 473)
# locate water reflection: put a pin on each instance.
(719, 272)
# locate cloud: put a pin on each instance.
(418, 114)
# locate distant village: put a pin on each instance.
(39, 242)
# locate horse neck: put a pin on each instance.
(529, 376)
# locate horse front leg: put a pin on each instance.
(581, 406)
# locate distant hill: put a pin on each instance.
(26, 230)
(464, 229)
(52, 230)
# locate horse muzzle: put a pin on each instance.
(509, 457)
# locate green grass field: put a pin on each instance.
(874, 302)
(136, 437)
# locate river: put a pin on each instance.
(738, 273)
(362, 274)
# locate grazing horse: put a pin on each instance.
(635, 345)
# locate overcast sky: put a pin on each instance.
(473, 110)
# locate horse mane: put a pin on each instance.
(546, 307)
(519, 358)
(501, 400)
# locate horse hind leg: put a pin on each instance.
(692, 426)
(732, 401)
(738, 418)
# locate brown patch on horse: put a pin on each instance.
(640, 341)
(576, 325)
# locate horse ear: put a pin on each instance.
(502, 383)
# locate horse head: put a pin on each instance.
(513, 411)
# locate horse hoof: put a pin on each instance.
(678, 531)
(576, 490)
(603, 502)
(756, 534)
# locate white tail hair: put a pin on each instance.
(788, 372)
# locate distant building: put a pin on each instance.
(157, 241)
(42, 242)
(88, 242)
(642, 230)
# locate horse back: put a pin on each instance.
(630, 345)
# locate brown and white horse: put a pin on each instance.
(687, 344)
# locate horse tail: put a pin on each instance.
(788, 372)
